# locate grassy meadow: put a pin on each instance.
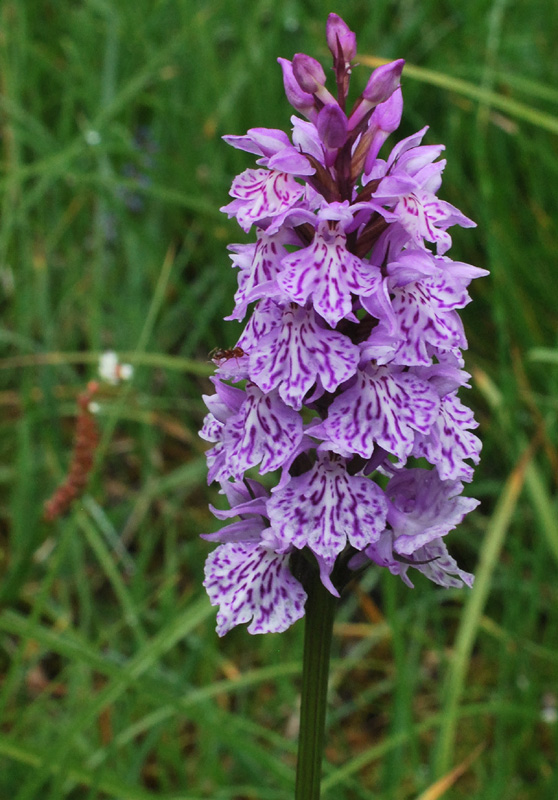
(113, 682)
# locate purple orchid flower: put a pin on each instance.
(348, 369)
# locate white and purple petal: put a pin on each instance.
(224, 404)
(216, 459)
(252, 583)
(259, 265)
(440, 567)
(298, 353)
(420, 321)
(212, 429)
(326, 508)
(265, 318)
(433, 560)
(261, 194)
(450, 441)
(264, 432)
(422, 508)
(412, 265)
(425, 216)
(383, 407)
(329, 274)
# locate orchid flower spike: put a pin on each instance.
(342, 393)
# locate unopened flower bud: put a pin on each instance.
(301, 101)
(309, 73)
(310, 76)
(383, 82)
(384, 120)
(340, 38)
(332, 126)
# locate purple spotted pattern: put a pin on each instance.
(343, 387)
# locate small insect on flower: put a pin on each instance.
(220, 354)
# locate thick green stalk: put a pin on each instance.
(320, 612)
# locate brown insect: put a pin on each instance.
(220, 354)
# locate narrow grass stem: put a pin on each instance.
(320, 613)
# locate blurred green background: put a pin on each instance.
(113, 683)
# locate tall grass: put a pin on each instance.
(114, 684)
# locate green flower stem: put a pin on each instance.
(320, 613)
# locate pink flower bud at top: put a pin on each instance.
(383, 82)
(332, 126)
(384, 120)
(310, 76)
(309, 73)
(340, 37)
(301, 101)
